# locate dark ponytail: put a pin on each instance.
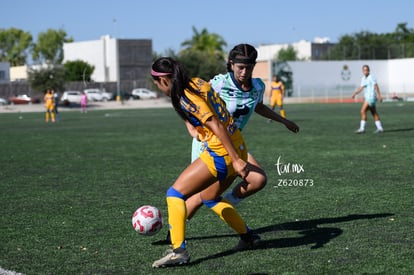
(179, 78)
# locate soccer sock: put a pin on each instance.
(177, 213)
(227, 213)
(283, 113)
(53, 116)
(232, 198)
(378, 124)
(362, 124)
(47, 117)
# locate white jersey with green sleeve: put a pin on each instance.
(239, 103)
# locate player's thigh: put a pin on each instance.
(372, 108)
(256, 176)
(252, 160)
(216, 189)
(272, 101)
(194, 178)
(364, 107)
(279, 102)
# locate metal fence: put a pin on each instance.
(19, 88)
(361, 52)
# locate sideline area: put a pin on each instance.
(162, 102)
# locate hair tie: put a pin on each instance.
(154, 73)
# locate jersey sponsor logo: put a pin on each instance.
(241, 110)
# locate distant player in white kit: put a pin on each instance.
(372, 94)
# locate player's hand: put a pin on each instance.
(240, 166)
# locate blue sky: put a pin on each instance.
(169, 23)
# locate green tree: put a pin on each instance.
(202, 64)
(204, 41)
(49, 46)
(203, 55)
(14, 45)
(287, 54)
(78, 70)
(44, 78)
(369, 45)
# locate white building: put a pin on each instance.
(100, 53)
(269, 52)
(113, 59)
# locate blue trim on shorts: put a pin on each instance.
(212, 203)
(219, 164)
(171, 192)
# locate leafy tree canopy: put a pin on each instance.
(49, 77)
(78, 70)
(204, 41)
(369, 45)
(287, 54)
(49, 46)
(14, 44)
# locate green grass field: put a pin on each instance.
(68, 191)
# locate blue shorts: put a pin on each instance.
(221, 167)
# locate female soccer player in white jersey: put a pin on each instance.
(243, 95)
(371, 94)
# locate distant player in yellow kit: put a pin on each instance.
(49, 104)
(277, 92)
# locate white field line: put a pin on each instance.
(8, 272)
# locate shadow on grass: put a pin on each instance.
(399, 130)
(311, 234)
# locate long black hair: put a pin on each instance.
(242, 53)
(180, 81)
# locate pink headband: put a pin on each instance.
(154, 73)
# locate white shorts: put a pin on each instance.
(196, 149)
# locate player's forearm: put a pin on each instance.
(266, 112)
(191, 130)
(221, 132)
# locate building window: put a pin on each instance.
(2, 75)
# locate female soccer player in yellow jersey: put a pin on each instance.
(243, 95)
(49, 104)
(277, 92)
(224, 158)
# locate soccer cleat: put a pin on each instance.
(360, 131)
(252, 241)
(378, 131)
(176, 257)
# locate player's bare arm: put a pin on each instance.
(221, 132)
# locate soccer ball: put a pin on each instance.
(147, 220)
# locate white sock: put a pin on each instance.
(362, 124)
(379, 125)
(232, 198)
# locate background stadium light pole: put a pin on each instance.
(118, 84)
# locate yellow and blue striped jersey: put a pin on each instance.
(202, 107)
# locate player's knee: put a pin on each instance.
(262, 180)
(259, 182)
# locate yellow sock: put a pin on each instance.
(53, 116)
(229, 214)
(283, 113)
(177, 214)
(47, 117)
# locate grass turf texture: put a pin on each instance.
(68, 191)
